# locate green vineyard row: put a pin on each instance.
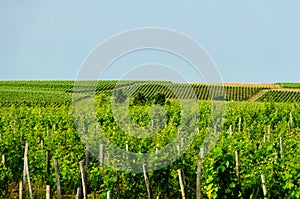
(280, 96)
(256, 131)
(44, 93)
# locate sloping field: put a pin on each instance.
(280, 96)
(229, 151)
(55, 93)
(227, 92)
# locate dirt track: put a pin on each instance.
(288, 89)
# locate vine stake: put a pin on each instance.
(147, 181)
(57, 178)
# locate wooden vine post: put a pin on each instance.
(47, 191)
(101, 154)
(256, 146)
(83, 179)
(127, 146)
(198, 180)
(47, 164)
(182, 183)
(147, 181)
(290, 122)
(87, 154)
(78, 194)
(3, 160)
(22, 139)
(24, 166)
(26, 171)
(20, 189)
(263, 181)
(281, 147)
(56, 168)
(108, 195)
(182, 142)
(249, 133)
(237, 162)
(178, 149)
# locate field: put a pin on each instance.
(257, 140)
(281, 96)
(288, 85)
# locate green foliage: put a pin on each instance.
(120, 96)
(55, 125)
(160, 99)
(221, 181)
(139, 99)
(280, 96)
(289, 85)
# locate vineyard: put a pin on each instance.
(199, 91)
(36, 93)
(256, 155)
(280, 96)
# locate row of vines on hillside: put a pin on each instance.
(255, 130)
(280, 96)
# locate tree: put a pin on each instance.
(120, 96)
(139, 99)
(160, 99)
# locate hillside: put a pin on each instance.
(60, 92)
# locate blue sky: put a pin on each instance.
(253, 41)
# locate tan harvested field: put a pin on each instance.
(271, 86)
(288, 89)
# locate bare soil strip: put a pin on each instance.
(271, 86)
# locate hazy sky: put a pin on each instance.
(249, 41)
